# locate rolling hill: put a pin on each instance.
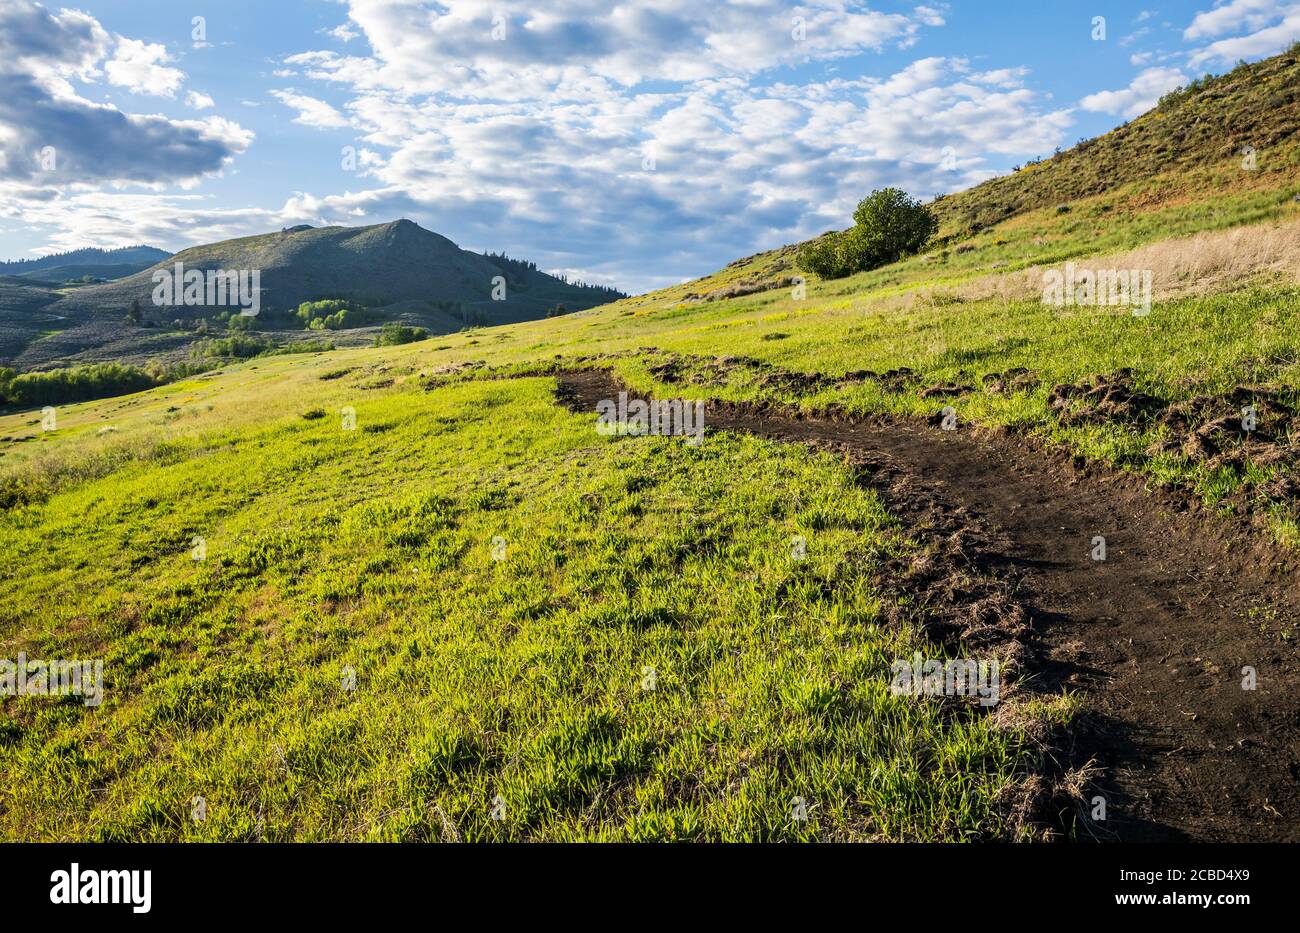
(398, 271)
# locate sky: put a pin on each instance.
(634, 144)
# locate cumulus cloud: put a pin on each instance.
(52, 138)
(1141, 95)
(621, 142)
(50, 46)
(727, 165)
(1234, 16)
(311, 111)
(197, 100)
(140, 68)
(516, 49)
(1270, 27)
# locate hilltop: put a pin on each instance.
(1214, 120)
(392, 272)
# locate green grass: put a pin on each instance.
(521, 678)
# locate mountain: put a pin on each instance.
(101, 263)
(395, 271)
(78, 272)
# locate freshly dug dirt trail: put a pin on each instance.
(1156, 635)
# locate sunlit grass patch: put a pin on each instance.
(485, 622)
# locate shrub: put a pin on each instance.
(76, 384)
(828, 256)
(391, 335)
(891, 225)
(303, 346)
(236, 346)
(333, 314)
(888, 226)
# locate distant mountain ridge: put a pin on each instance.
(143, 256)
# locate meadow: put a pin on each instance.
(474, 603)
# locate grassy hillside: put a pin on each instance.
(1212, 122)
(500, 578)
(395, 272)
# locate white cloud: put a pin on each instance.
(421, 48)
(89, 144)
(737, 166)
(506, 144)
(1140, 96)
(930, 16)
(197, 100)
(1235, 16)
(311, 111)
(141, 68)
(1272, 25)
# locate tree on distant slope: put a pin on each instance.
(888, 226)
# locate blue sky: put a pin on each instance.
(627, 143)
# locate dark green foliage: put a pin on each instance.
(236, 346)
(391, 335)
(888, 225)
(75, 384)
(334, 314)
(827, 256)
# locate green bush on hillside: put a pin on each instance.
(237, 346)
(887, 226)
(73, 384)
(6, 377)
(391, 335)
(830, 256)
(333, 314)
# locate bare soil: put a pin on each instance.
(1157, 635)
